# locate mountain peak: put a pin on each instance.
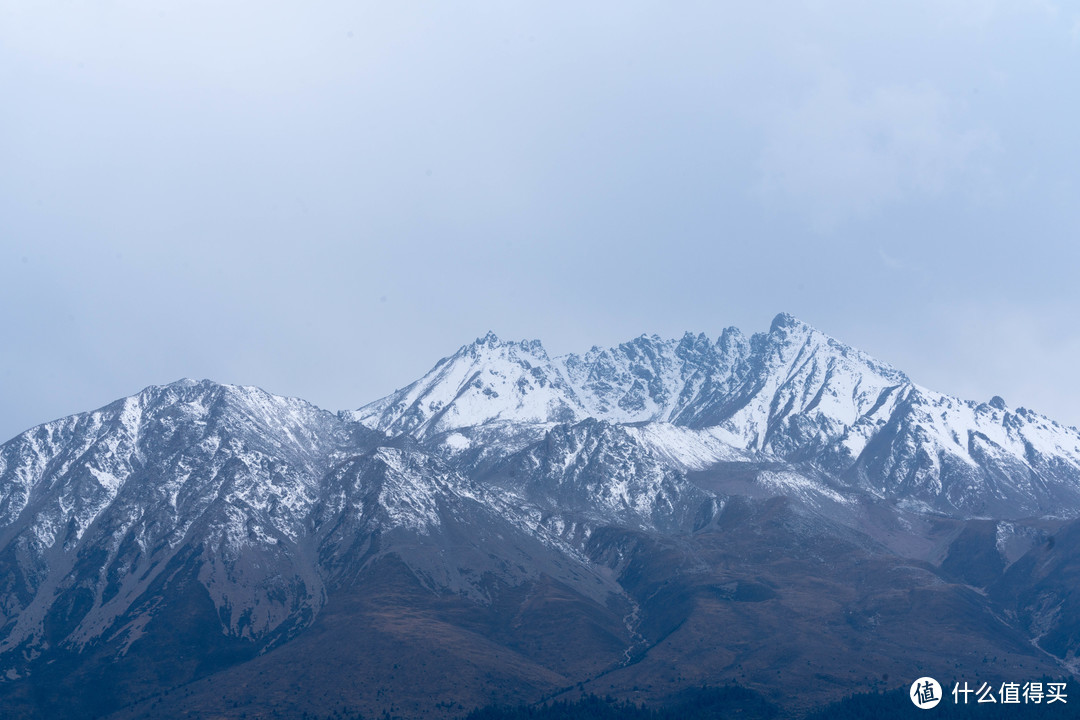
(786, 321)
(541, 492)
(687, 381)
(696, 343)
(488, 340)
(491, 341)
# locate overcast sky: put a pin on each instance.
(324, 198)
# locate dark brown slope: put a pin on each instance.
(390, 644)
(1042, 591)
(772, 600)
(766, 596)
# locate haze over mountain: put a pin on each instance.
(512, 526)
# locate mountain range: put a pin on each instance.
(778, 511)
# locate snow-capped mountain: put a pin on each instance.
(738, 383)
(263, 501)
(792, 394)
(505, 484)
(594, 473)
(98, 505)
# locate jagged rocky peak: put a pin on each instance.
(196, 399)
(784, 321)
(691, 381)
(791, 341)
(502, 463)
(192, 469)
(486, 381)
(246, 412)
(595, 471)
(492, 342)
(792, 394)
(692, 345)
(173, 448)
(635, 381)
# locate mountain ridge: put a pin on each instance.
(649, 485)
(793, 394)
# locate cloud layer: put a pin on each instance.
(324, 199)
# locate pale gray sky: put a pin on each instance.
(324, 198)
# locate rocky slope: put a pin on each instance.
(674, 501)
(792, 395)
